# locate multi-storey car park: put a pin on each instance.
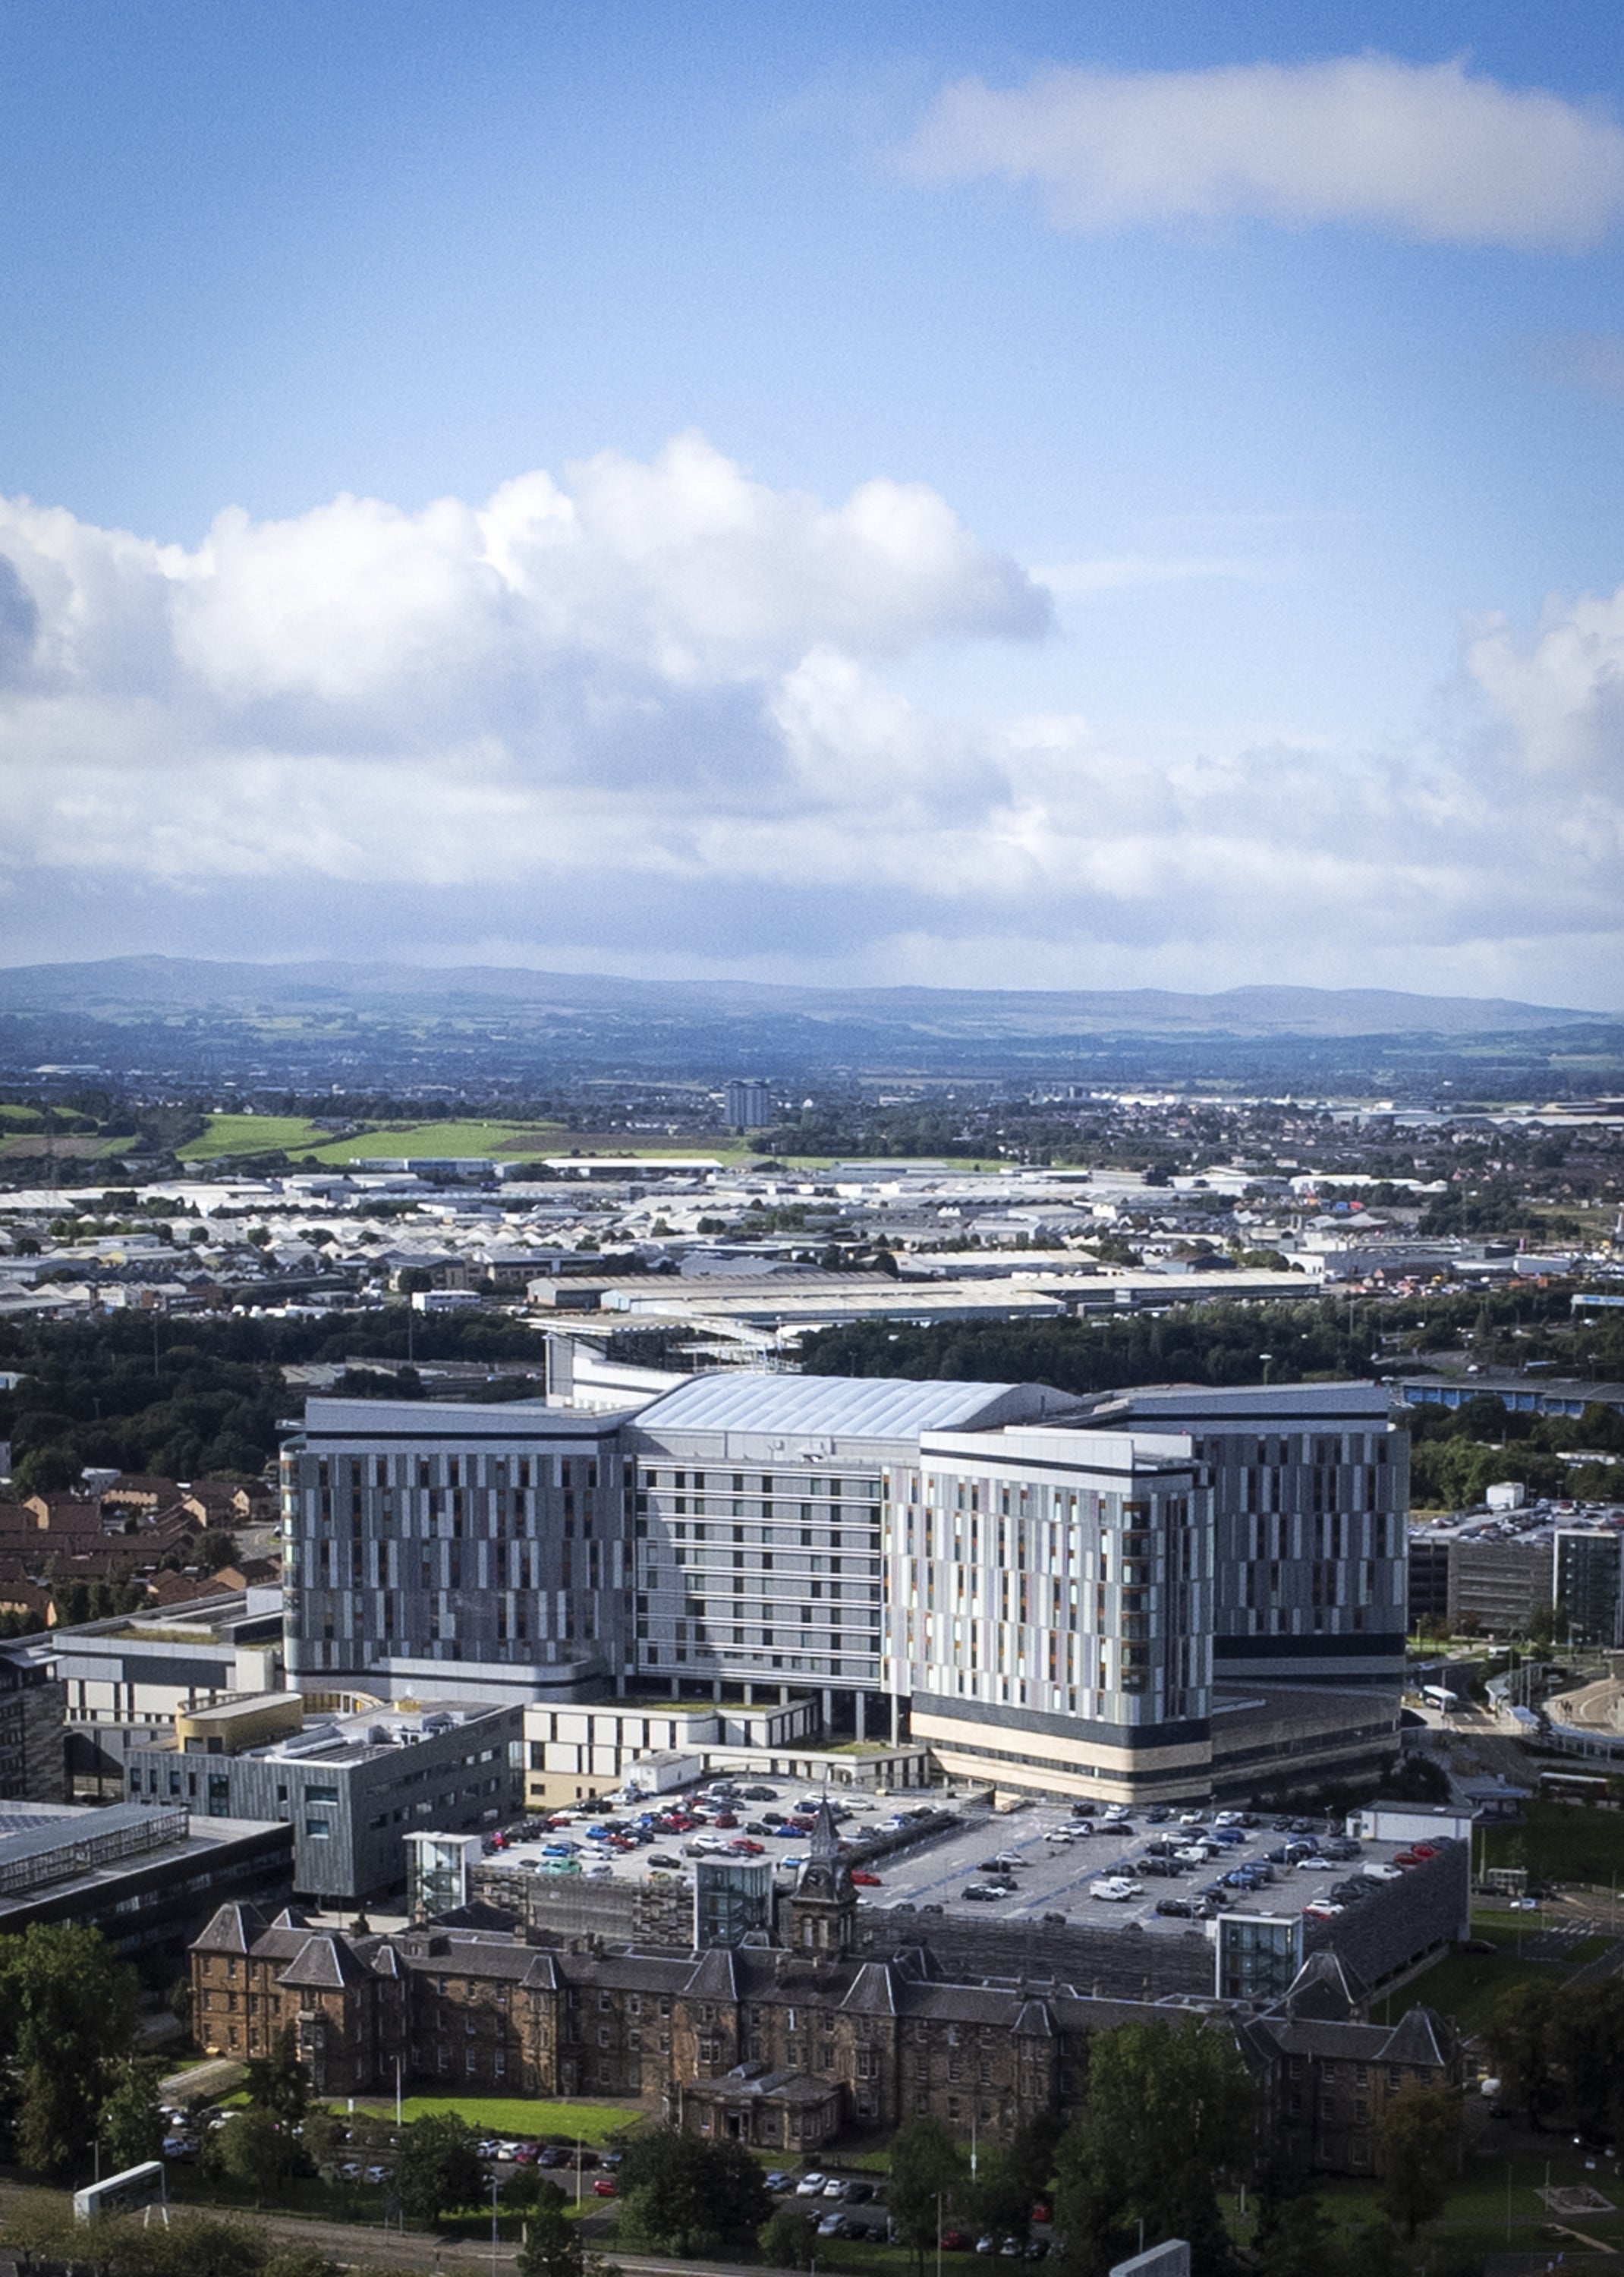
(1053, 1593)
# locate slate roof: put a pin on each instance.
(327, 1962)
(234, 1928)
(873, 1991)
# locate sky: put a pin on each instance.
(1031, 495)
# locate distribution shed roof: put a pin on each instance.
(837, 1406)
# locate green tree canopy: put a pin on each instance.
(255, 2149)
(1417, 2153)
(1170, 2113)
(680, 2194)
(67, 2021)
(553, 2245)
(927, 2175)
(132, 2124)
(439, 2167)
(279, 2083)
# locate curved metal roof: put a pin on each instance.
(831, 1407)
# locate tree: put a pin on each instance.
(525, 2191)
(132, 2125)
(553, 2246)
(322, 2140)
(1301, 2242)
(255, 2149)
(214, 1547)
(927, 2168)
(300, 2261)
(1519, 2030)
(681, 2195)
(1170, 2112)
(1000, 2198)
(1587, 2043)
(67, 2019)
(1417, 2153)
(790, 2239)
(439, 2167)
(279, 2083)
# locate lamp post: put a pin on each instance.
(494, 2231)
(1267, 1359)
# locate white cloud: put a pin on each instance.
(641, 714)
(1426, 150)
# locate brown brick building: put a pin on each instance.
(782, 2045)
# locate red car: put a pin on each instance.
(956, 2241)
(865, 1881)
(748, 1849)
(727, 1818)
(604, 2188)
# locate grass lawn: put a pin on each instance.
(1473, 2222)
(517, 2114)
(254, 1134)
(1463, 1986)
(462, 1141)
(1562, 1842)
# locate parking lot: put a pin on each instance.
(1040, 1859)
(664, 1834)
(1045, 1863)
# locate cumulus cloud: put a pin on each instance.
(642, 713)
(1425, 150)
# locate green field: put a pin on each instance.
(461, 1140)
(254, 1134)
(1562, 1842)
(516, 2114)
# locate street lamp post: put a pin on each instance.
(1267, 1359)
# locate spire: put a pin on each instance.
(825, 1842)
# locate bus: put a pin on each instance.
(1439, 1696)
(1571, 1786)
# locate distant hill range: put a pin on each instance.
(142, 987)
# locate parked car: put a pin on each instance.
(810, 2186)
(955, 2241)
(1116, 1889)
(864, 1880)
(984, 1892)
(829, 2225)
(605, 2187)
(778, 2179)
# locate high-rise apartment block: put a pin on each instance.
(747, 1104)
(1050, 1592)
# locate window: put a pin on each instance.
(318, 1830)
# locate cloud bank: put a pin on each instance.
(1424, 150)
(641, 714)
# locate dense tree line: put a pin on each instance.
(192, 1398)
(1220, 1344)
(1457, 1453)
(1558, 2050)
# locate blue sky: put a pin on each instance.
(1053, 496)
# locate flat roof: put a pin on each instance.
(430, 1418)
